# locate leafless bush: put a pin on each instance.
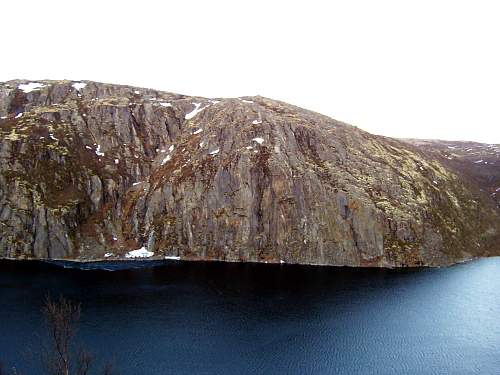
(59, 355)
(62, 318)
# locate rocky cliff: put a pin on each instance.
(99, 171)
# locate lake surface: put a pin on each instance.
(216, 318)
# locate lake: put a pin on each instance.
(218, 318)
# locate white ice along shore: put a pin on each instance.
(172, 257)
(139, 253)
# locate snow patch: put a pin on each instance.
(246, 101)
(214, 152)
(98, 151)
(166, 104)
(52, 137)
(171, 148)
(137, 92)
(117, 161)
(256, 122)
(165, 160)
(29, 87)
(139, 253)
(198, 131)
(19, 115)
(107, 255)
(479, 161)
(136, 183)
(79, 85)
(195, 111)
(258, 140)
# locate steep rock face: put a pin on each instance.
(90, 169)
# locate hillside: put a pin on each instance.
(477, 163)
(95, 171)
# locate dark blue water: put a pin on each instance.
(215, 318)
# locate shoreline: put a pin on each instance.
(153, 259)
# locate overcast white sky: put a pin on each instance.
(427, 69)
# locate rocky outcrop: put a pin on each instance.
(93, 171)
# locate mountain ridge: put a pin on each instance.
(93, 171)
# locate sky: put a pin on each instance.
(419, 69)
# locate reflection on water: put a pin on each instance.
(248, 318)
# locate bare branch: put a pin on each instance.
(62, 319)
(84, 363)
(108, 369)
